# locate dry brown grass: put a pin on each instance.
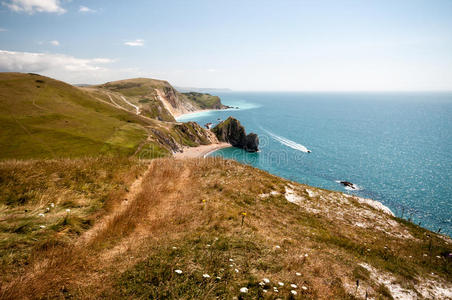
(196, 206)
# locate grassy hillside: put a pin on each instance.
(224, 225)
(140, 92)
(45, 118)
(205, 101)
(157, 99)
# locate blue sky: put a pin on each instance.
(244, 45)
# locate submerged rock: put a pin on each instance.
(232, 132)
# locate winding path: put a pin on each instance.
(133, 105)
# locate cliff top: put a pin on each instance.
(133, 226)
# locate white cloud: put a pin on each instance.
(54, 43)
(32, 6)
(60, 66)
(84, 9)
(3, 29)
(135, 43)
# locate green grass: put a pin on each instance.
(155, 276)
(45, 118)
(141, 91)
(28, 188)
(204, 101)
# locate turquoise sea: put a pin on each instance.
(396, 147)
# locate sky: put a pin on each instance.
(317, 45)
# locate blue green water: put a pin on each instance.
(396, 147)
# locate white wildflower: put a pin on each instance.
(208, 245)
(280, 283)
(236, 270)
(52, 205)
(206, 275)
(41, 215)
(174, 248)
(264, 290)
(298, 273)
(293, 292)
(218, 277)
(261, 283)
(304, 288)
(425, 254)
(178, 271)
(294, 286)
(266, 280)
(42, 226)
(231, 259)
(48, 208)
(68, 210)
(243, 290)
(231, 266)
(306, 255)
(277, 247)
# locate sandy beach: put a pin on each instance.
(200, 151)
(178, 115)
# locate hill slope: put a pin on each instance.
(45, 118)
(152, 98)
(224, 225)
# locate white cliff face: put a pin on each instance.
(175, 103)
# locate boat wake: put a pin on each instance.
(288, 142)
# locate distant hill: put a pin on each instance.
(44, 118)
(155, 99)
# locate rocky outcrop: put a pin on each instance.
(195, 133)
(349, 185)
(178, 135)
(232, 132)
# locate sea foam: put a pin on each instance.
(287, 142)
